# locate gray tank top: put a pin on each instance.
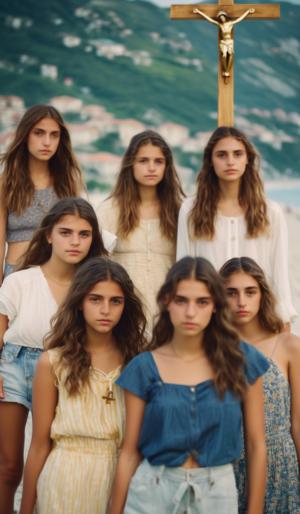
(21, 227)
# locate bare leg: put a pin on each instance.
(13, 418)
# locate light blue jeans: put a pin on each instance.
(162, 490)
(17, 368)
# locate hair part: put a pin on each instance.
(126, 191)
(220, 340)
(68, 332)
(16, 183)
(251, 192)
(267, 316)
(39, 250)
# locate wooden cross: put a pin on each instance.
(109, 397)
(234, 13)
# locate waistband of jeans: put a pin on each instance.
(179, 473)
(16, 349)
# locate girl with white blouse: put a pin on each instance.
(67, 236)
(142, 211)
(230, 216)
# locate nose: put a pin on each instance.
(104, 306)
(190, 309)
(75, 240)
(46, 139)
(242, 299)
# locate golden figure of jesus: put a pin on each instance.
(226, 39)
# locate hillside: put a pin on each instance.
(130, 58)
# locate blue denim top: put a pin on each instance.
(181, 420)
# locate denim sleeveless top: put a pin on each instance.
(181, 420)
(21, 227)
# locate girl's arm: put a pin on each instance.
(44, 403)
(294, 379)
(254, 427)
(3, 221)
(129, 457)
(3, 328)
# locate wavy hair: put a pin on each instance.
(267, 316)
(220, 340)
(126, 191)
(251, 191)
(68, 332)
(17, 186)
(39, 249)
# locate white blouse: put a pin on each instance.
(269, 250)
(27, 301)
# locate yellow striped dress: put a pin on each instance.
(86, 431)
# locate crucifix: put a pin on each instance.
(225, 15)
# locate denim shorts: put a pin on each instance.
(17, 368)
(158, 489)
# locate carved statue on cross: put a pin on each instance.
(226, 39)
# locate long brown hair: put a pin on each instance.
(16, 184)
(126, 191)
(267, 316)
(220, 341)
(39, 249)
(68, 332)
(251, 192)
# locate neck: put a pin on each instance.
(39, 172)
(148, 194)
(97, 343)
(253, 332)
(187, 346)
(59, 270)
(229, 191)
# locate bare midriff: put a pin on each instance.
(15, 250)
(190, 463)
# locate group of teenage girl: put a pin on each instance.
(151, 338)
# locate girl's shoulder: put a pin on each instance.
(187, 204)
(290, 343)
(274, 209)
(256, 364)
(22, 277)
(107, 206)
(139, 375)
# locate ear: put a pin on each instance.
(49, 238)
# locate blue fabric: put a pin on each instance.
(181, 420)
(17, 368)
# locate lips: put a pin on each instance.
(73, 252)
(243, 313)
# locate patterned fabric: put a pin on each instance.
(86, 432)
(21, 227)
(283, 481)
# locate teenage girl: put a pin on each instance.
(253, 309)
(142, 211)
(230, 215)
(78, 411)
(39, 168)
(184, 403)
(67, 236)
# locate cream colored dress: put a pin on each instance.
(145, 253)
(86, 433)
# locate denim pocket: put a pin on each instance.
(10, 352)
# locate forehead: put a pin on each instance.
(191, 288)
(240, 280)
(48, 124)
(149, 150)
(229, 144)
(107, 288)
(73, 222)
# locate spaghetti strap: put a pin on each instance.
(274, 347)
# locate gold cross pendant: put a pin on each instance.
(109, 397)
